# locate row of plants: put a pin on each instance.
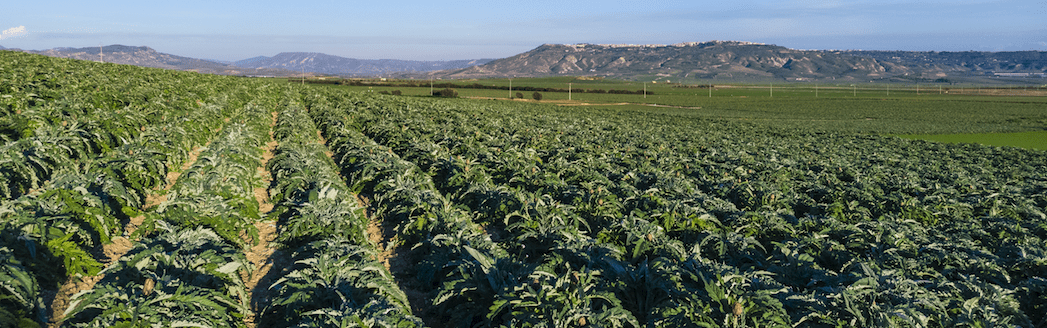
(513, 214)
(187, 269)
(80, 157)
(545, 238)
(448, 85)
(470, 278)
(745, 206)
(60, 112)
(440, 236)
(336, 280)
(53, 232)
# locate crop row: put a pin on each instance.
(51, 233)
(336, 280)
(507, 214)
(547, 242)
(82, 150)
(752, 215)
(58, 113)
(187, 268)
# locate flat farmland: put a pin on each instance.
(198, 200)
(885, 109)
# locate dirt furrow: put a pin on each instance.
(263, 256)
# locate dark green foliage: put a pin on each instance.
(446, 93)
(188, 276)
(733, 225)
(14, 127)
(21, 304)
(337, 281)
(512, 214)
(217, 191)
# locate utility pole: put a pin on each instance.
(568, 90)
(772, 90)
(816, 90)
(710, 90)
(888, 89)
(645, 90)
(855, 87)
(100, 58)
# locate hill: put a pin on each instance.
(148, 57)
(997, 62)
(283, 64)
(734, 60)
(335, 65)
(683, 62)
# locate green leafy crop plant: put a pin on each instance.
(640, 182)
(86, 167)
(747, 212)
(336, 279)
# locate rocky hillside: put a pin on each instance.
(1000, 62)
(684, 62)
(745, 61)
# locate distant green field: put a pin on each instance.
(872, 108)
(1028, 140)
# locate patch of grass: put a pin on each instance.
(867, 108)
(1027, 140)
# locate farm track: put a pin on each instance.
(111, 253)
(263, 256)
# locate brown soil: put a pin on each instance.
(263, 255)
(323, 141)
(374, 234)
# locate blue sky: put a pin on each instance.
(444, 30)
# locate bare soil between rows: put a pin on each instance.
(263, 256)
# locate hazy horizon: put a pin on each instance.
(431, 31)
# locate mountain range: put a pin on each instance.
(283, 64)
(148, 57)
(747, 61)
(682, 62)
(334, 65)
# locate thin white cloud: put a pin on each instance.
(14, 32)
